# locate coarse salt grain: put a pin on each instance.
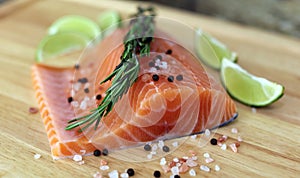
(185, 157)
(76, 86)
(163, 161)
(81, 162)
(178, 164)
(97, 175)
(224, 147)
(175, 170)
(209, 160)
(183, 168)
(103, 162)
(194, 137)
(234, 130)
(153, 152)
(113, 174)
(191, 163)
(175, 144)
(77, 158)
(149, 156)
(83, 105)
(37, 156)
(239, 138)
(194, 158)
(176, 160)
(207, 132)
(75, 104)
(204, 168)
(124, 175)
(217, 168)
(154, 147)
(104, 167)
(192, 172)
(206, 155)
(86, 85)
(233, 147)
(72, 93)
(161, 144)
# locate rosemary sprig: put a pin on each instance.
(137, 42)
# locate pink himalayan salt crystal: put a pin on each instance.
(183, 168)
(233, 147)
(191, 163)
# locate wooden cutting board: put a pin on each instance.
(271, 146)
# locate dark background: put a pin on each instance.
(275, 15)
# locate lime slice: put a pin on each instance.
(247, 88)
(109, 21)
(211, 51)
(75, 24)
(61, 50)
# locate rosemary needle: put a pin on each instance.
(137, 42)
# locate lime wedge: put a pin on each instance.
(61, 50)
(211, 51)
(109, 19)
(75, 24)
(247, 88)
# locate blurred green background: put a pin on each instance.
(274, 15)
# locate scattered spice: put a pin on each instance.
(234, 130)
(206, 155)
(130, 172)
(169, 51)
(98, 97)
(209, 160)
(237, 144)
(103, 162)
(204, 168)
(224, 146)
(166, 148)
(83, 80)
(105, 152)
(159, 57)
(113, 174)
(171, 78)
(104, 167)
(214, 141)
(151, 64)
(177, 176)
(192, 172)
(33, 110)
(163, 161)
(233, 147)
(86, 90)
(217, 168)
(70, 99)
(76, 66)
(155, 77)
(147, 147)
(77, 158)
(156, 174)
(179, 77)
(124, 175)
(37, 156)
(207, 132)
(239, 138)
(97, 153)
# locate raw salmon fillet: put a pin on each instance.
(184, 100)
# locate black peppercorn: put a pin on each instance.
(171, 78)
(155, 77)
(151, 64)
(169, 51)
(83, 80)
(98, 97)
(158, 57)
(214, 141)
(70, 99)
(166, 148)
(179, 77)
(97, 153)
(105, 152)
(130, 172)
(86, 90)
(76, 66)
(177, 176)
(147, 147)
(156, 174)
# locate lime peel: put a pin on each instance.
(211, 51)
(247, 88)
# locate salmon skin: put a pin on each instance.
(172, 97)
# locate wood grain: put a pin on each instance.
(271, 146)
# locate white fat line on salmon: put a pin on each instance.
(156, 88)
